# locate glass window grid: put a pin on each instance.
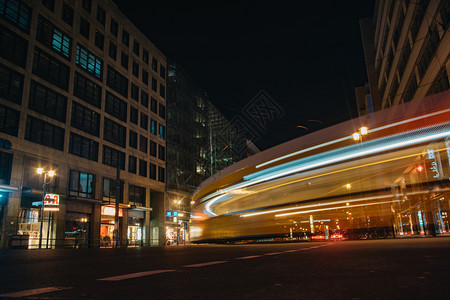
(82, 184)
(44, 133)
(83, 147)
(13, 47)
(85, 119)
(11, 87)
(47, 102)
(114, 132)
(9, 120)
(90, 63)
(111, 157)
(16, 12)
(87, 90)
(51, 69)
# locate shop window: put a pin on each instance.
(81, 184)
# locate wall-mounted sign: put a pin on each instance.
(51, 200)
(5, 144)
(111, 211)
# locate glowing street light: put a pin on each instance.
(357, 136)
(45, 180)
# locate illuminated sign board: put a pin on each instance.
(51, 200)
(111, 211)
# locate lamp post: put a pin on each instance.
(358, 136)
(46, 180)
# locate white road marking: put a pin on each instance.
(206, 264)
(34, 292)
(134, 275)
(273, 253)
(248, 257)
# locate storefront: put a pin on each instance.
(107, 226)
(135, 228)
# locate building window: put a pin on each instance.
(50, 4)
(117, 82)
(133, 115)
(143, 144)
(135, 69)
(112, 157)
(5, 167)
(125, 38)
(87, 90)
(13, 47)
(11, 86)
(109, 190)
(9, 120)
(99, 39)
(136, 194)
(86, 4)
(136, 47)
(145, 77)
(50, 69)
(134, 92)
(116, 107)
(81, 184)
(67, 14)
(145, 56)
(161, 175)
(16, 12)
(47, 102)
(152, 171)
(154, 105)
(83, 147)
(153, 126)
(161, 152)
(114, 27)
(162, 131)
(144, 121)
(114, 133)
(144, 99)
(124, 60)
(162, 90)
(85, 28)
(132, 164)
(112, 50)
(162, 72)
(133, 139)
(44, 133)
(89, 62)
(142, 168)
(54, 38)
(101, 15)
(85, 119)
(153, 148)
(162, 111)
(154, 64)
(154, 84)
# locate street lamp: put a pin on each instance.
(46, 180)
(358, 136)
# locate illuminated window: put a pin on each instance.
(53, 37)
(153, 126)
(89, 62)
(16, 12)
(81, 184)
(162, 132)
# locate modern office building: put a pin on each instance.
(407, 48)
(199, 143)
(82, 93)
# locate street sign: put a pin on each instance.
(51, 199)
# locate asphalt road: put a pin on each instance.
(373, 269)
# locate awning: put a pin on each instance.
(8, 188)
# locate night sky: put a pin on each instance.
(308, 57)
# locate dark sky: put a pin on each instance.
(308, 57)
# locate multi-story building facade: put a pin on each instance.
(82, 93)
(407, 48)
(199, 143)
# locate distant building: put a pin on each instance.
(82, 93)
(199, 143)
(406, 47)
